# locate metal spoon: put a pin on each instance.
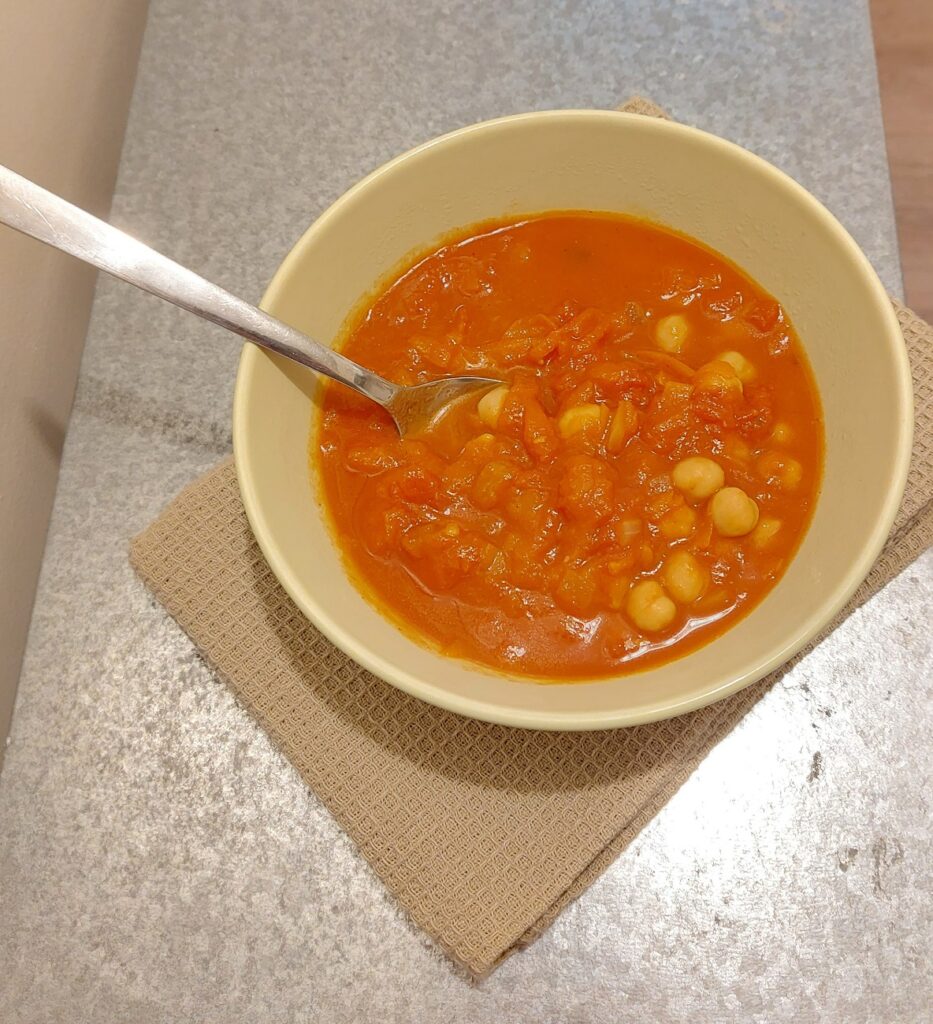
(49, 218)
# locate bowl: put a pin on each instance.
(588, 160)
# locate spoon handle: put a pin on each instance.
(31, 209)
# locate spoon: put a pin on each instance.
(49, 218)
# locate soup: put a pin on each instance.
(640, 480)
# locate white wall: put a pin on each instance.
(66, 76)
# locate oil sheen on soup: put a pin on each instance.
(639, 481)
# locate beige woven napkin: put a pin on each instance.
(483, 833)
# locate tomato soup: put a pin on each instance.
(639, 481)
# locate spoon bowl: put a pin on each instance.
(418, 407)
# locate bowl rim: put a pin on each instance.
(316, 611)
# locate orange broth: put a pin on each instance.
(641, 482)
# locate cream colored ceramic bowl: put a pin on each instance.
(588, 160)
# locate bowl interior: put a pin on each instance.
(588, 160)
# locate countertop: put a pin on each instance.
(159, 860)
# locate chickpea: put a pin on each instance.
(671, 332)
(678, 523)
(698, 477)
(490, 406)
(717, 378)
(580, 418)
(734, 513)
(792, 475)
(684, 577)
(781, 470)
(624, 424)
(649, 607)
(765, 531)
(743, 368)
(481, 446)
(782, 433)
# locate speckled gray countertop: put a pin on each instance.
(159, 861)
